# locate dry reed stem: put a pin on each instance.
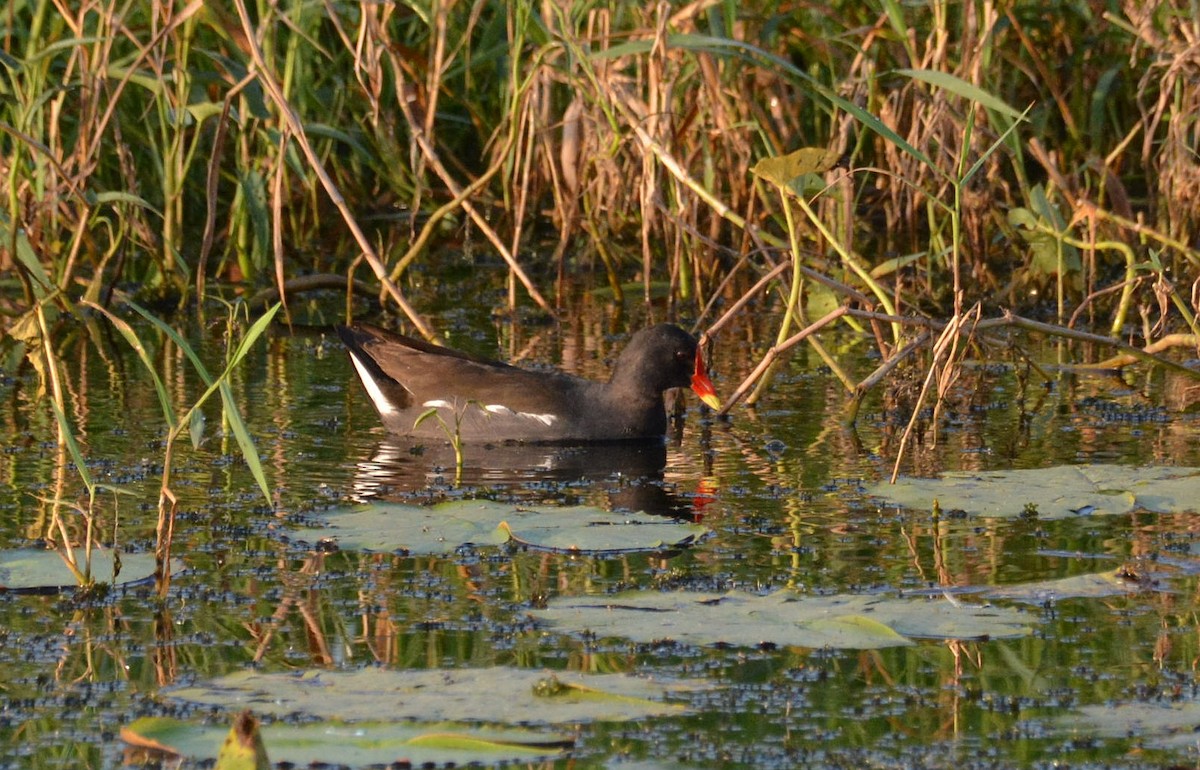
(945, 347)
(297, 128)
(430, 155)
(777, 350)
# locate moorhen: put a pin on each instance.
(485, 400)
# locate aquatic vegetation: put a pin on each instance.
(960, 169)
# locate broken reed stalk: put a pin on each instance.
(777, 350)
(945, 348)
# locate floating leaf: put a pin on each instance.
(356, 745)
(29, 569)
(1051, 493)
(1161, 724)
(783, 618)
(443, 528)
(514, 696)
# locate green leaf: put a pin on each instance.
(394, 527)
(146, 80)
(423, 416)
(515, 696)
(39, 568)
(233, 414)
(201, 111)
(196, 428)
(345, 137)
(1056, 493)
(68, 435)
(1043, 228)
(42, 284)
(960, 87)
(116, 196)
(65, 44)
(847, 621)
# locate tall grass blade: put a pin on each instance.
(983, 158)
(236, 424)
(175, 337)
(135, 342)
(73, 447)
(960, 87)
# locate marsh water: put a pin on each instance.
(779, 486)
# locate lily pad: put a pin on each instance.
(40, 569)
(356, 745)
(783, 618)
(1161, 724)
(1052, 493)
(513, 696)
(391, 527)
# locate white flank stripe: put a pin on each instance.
(501, 409)
(381, 402)
(438, 403)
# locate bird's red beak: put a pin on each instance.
(703, 386)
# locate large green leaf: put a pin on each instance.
(781, 618)
(1162, 724)
(1051, 493)
(395, 527)
(514, 695)
(39, 568)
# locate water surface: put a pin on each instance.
(780, 486)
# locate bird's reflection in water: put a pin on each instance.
(631, 475)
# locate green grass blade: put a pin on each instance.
(175, 337)
(978, 164)
(960, 87)
(116, 196)
(236, 424)
(135, 342)
(42, 285)
(73, 448)
(245, 442)
(252, 334)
